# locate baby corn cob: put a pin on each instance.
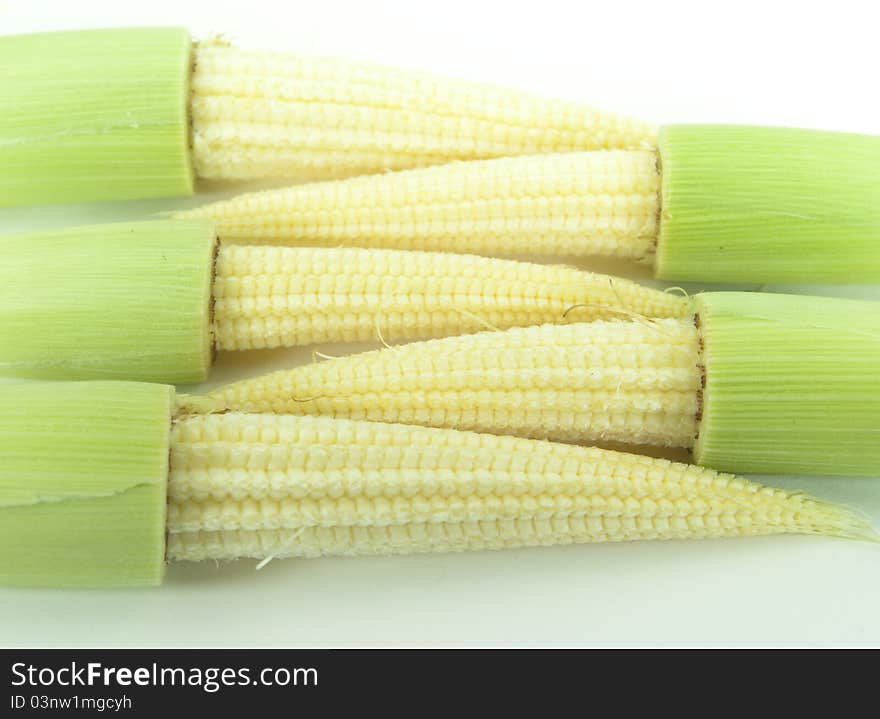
(154, 300)
(580, 203)
(262, 486)
(257, 115)
(723, 208)
(280, 296)
(751, 382)
(605, 381)
(135, 481)
(143, 112)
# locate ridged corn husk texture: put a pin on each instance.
(609, 381)
(262, 115)
(792, 384)
(768, 204)
(260, 485)
(94, 115)
(83, 472)
(281, 296)
(572, 204)
(114, 301)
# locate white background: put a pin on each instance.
(811, 64)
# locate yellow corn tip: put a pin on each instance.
(267, 485)
(261, 115)
(605, 381)
(582, 203)
(282, 296)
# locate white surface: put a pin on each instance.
(807, 64)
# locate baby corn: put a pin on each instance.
(710, 203)
(264, 486)
(102, 483)
(155, 300)
(574, 204)
(257, 114)
(143, 112)
(608, 381)
(750, 382)
(280, 296)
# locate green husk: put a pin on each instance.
(768, 204)
(83, 476)
(116, 301)
(792, 384)
(94, 115)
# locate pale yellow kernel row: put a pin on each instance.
(634, 382)
(257, 115)
(284, 296)
(399, 488)
(573, 204)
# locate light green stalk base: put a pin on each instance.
(792, 384)
(766, 204)
(94, 115)
(117, 301)
(83, 476)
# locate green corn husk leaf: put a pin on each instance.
(117, 301)
(768, 204)
(792, 384)
(83, 476)
(94, 115)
